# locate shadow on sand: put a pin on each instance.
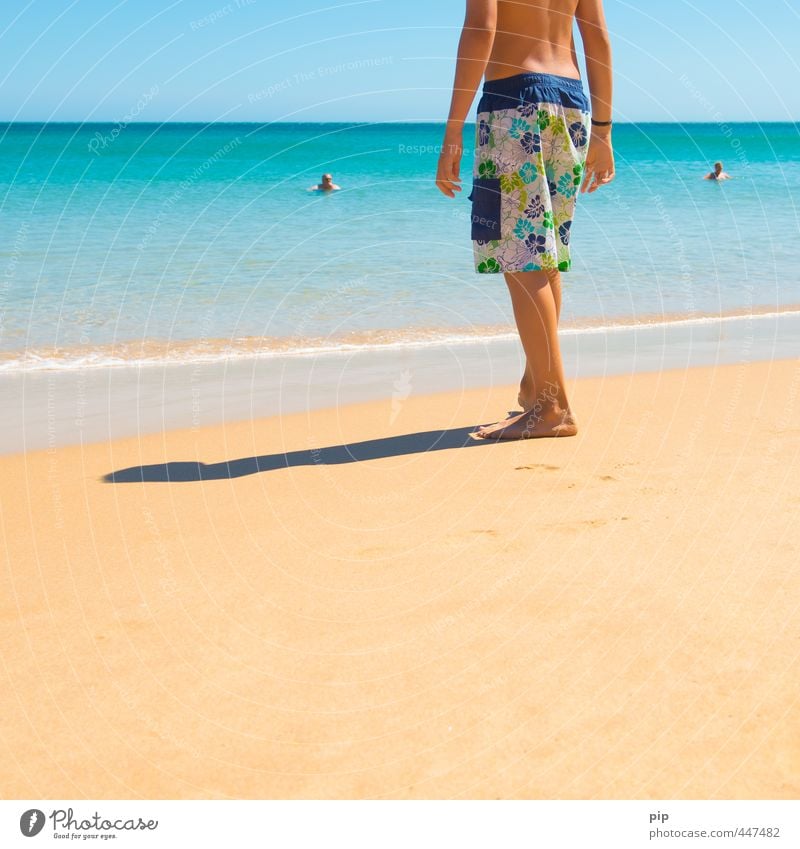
(371, 449)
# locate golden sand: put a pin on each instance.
(609, 616)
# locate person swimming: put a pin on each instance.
(717, 173)
(327, 185)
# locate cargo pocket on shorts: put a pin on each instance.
(485, 199)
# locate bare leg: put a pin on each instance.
(536, 304)
(527, 394)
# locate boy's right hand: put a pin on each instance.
(599, 169)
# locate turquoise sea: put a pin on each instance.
(154, 242)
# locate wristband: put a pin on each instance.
(601, 123)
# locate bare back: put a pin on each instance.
(534, 35)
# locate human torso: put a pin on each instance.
(534, 35)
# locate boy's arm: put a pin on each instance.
(597, 47)
(474, 50)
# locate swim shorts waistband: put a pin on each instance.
(508, 85)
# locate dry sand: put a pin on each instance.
(609, 616)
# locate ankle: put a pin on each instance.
(550, 396)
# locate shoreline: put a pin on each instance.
(156, 352)
(365, 603)
(51, 408)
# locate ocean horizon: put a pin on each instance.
(618, 122)
(181, 241)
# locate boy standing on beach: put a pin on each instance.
(532, 154)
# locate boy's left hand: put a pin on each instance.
(447, 172)
(599, 168)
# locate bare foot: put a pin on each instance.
(550, 422)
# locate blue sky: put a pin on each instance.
(325, 60)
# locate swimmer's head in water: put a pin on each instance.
(718, 167)
(327, 179)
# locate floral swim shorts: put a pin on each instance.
(531, 142)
